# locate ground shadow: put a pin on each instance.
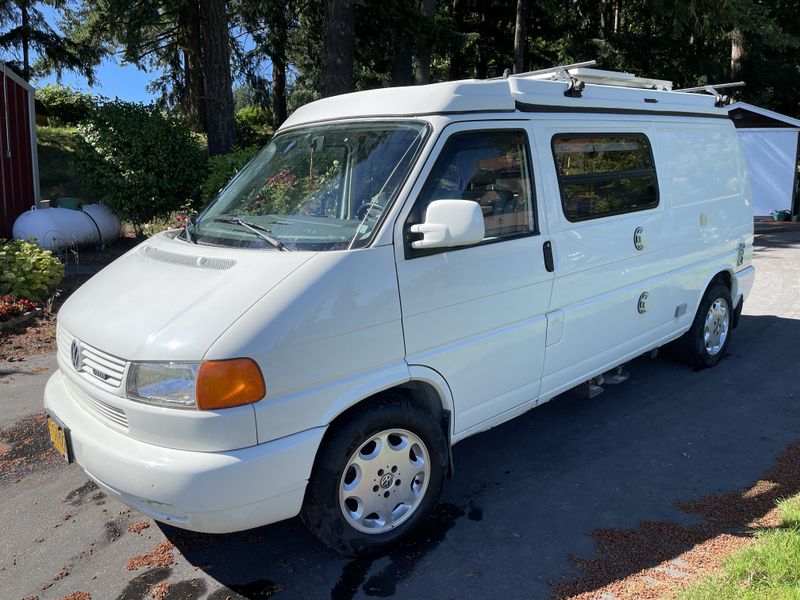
(525, 494)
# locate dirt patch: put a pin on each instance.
(26, 449)
(64, 572)
(160, 590)
(138, 527)
(654, 558)
(160, 556)
(77, 596)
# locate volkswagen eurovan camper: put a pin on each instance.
(397, 270)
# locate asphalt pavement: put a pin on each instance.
(523, 498)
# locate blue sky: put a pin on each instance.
(114, 79)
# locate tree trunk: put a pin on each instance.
(26, 39)
(401, 68)
(457, 59)
(279, 82)
(338, 47)
(519, 36)
(217, 70)
(603, 22)
(481, 70)
(422, 71)
(191, 42)
(737, 52)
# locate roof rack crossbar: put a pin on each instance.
(715, 86)
(720, 100)
(558, 69)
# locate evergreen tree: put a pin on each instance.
(24, 34)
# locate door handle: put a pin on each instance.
(547, 249)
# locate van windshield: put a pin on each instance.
(324, 187)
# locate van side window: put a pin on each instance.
(490, 168)
(604, 174)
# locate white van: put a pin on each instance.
(398, 270)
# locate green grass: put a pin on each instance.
(57, 174)
(767, 570)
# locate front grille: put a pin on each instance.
(96, 367)
(92, 363)
(112, 413)
(105, 367)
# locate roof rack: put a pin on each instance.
(721, 99)
(577, 75)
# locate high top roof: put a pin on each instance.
(605, 92)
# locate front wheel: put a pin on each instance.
(707, 339)
(377, 477)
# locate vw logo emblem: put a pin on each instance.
(386, 481)
(75, 354)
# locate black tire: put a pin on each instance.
(321, 511)
(692, 345)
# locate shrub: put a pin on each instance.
(223, 167)
(142, 163)
(253, 126)
(65, 106)
(27, 271)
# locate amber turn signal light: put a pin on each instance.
(227, 383)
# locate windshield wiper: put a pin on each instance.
(258, 230)
(187, 229)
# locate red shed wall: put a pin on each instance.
(17, 169)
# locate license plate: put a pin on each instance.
(59, 436)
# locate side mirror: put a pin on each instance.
(450, 223)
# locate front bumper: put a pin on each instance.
(211, 492)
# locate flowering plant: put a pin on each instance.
(274, 197)
(10, 307)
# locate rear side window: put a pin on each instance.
(490, 168)
(604, 174)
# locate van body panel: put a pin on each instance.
(711, 212)
(329, 330)
(600, 275)
(170, 309)
(477, 311)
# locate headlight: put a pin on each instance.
(208, 385)
(164, 384)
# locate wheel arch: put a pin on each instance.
(722, 274)
(419, 384)
(423, 386)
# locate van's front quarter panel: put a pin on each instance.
(327, 337)
(160, 303)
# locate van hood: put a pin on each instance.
(167, 299)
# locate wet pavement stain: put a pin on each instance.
(113, 530)
(83, 493)
(27, 449)
(402, 560)
(254, 590)
(138, 588)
